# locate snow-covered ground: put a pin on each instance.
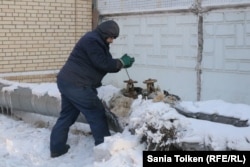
(25, 142)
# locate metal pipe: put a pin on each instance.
(23, 99)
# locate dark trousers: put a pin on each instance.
(76, 100)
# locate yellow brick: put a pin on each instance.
(14, 38)
(31, 20)
(33, 27)
(31, 11)
(44, 4)
(30, 69)
(4, 69)
(2, 14)
(4, 62)
(26, 62)
(21, 65)
(51, 1)
(60, 1)
(8, 26)
(32, 3)
(38, 7)
(21, 26)
(21, 58)
(42, 23)
(21, 42)
(19, 50)
(55, 19)
(41, 68)
(26, 38)
(31, 50)
(26, 7)
(8, 65)
(21, 3)
(8, 58)
(6, 42)
(7, 50)
(18, 69)
(37, 61)
(4, 6)
(55, 4)
(21, 18)
(15, 62)
(20, 10)
(20, 53)
(16, 22)
(9, 14)
(8, 2)
(4, 38)
(70, 1)
(46, 19)
(28, 30)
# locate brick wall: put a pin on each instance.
(36, 36)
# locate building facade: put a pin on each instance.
(36, 36)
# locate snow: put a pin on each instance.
(25, 142)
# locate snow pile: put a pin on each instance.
(220, 107)
(151, 126)
(156, 124)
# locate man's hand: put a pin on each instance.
(127, 61)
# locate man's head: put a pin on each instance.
(109, 30)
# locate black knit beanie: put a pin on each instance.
(108, 29)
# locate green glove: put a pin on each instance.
(127, 61)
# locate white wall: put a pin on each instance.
(165, 48)
(226, 56)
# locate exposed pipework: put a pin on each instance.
(23, 99)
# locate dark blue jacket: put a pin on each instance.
(89, 61)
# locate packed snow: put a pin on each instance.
(24, 137)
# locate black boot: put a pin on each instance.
(54, 154)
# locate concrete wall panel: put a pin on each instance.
(165, 47)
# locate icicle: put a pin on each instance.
(1, 106)
(7, 108)
(10, 111)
